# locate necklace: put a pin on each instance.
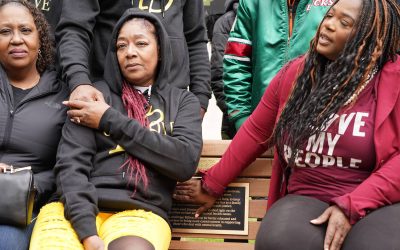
(357, 92)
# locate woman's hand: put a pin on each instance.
(86, 92)
(86, 113)
(3, 166)
(191, 192)
(93, 243)
(338, 227)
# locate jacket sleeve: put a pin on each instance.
(196, 39)
(175, 156)
(382, 188)
(45, 186)
(220, 37)
(74, 35)
(238, 74)
(74, 163)
(250, 142)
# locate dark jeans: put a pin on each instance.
(15, 238)
(287, 226)
(228, 130)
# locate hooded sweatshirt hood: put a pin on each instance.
(229, 5)
(112, 72)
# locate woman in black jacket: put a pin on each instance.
(124, 153)
(31, 110)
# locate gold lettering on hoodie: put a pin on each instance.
(157, 125)
(117, 149)
(145, 5)
(43, 5)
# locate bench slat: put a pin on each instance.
(216, 148)
(261, 167)
(257, 208)
(258, 187)
(253, 228)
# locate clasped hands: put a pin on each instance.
(87, 106)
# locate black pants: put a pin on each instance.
(286, 226)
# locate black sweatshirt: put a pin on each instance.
(84, 32)
(88, 169)
(30, 131)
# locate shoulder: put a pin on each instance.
(392, 66)
(52, 82)
(224, 23)
(292, 69)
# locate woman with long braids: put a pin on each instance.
(119, 159)
(333, 116)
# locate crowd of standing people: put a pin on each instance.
(105, 100)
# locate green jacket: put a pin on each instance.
(259, 45)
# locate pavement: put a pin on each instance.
(213, 118)
(212, 121)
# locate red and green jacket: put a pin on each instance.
(259, 45)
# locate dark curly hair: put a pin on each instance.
(324, 86)
(46, 55)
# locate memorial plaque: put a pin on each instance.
(229, 215)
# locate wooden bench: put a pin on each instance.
(258, 176)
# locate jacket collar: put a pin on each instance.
(388, 91)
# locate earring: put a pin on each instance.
(39, 53)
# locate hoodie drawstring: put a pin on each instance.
(162, 7)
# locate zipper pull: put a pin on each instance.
(11, 169)
(22, 169)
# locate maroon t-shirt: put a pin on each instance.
(336, 161)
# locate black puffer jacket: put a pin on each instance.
(89, 173)
(222, 28)
(30, 132)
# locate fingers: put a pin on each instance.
(324, 217)
(185, 194)
(337, 240)
(201, 210)
(185, 184)
(75, 115)
(75, 104)
(330, 233)
(98, 96)
(182, 198)
(3, 166)
(337, 229)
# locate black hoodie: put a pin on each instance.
(221, 31)
(84, 32)
(88, 169)
(30, 131)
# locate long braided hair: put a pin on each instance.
(135, 103)
(323, 87)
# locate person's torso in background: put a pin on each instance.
(51, 9)
(272, 46)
